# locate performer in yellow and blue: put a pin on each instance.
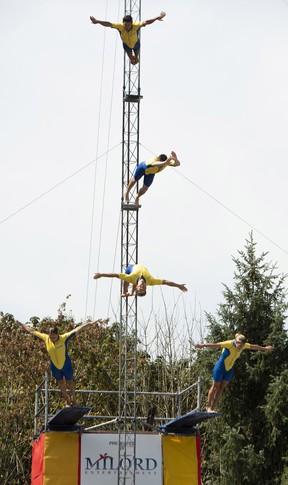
(129, 33)
(148, 170)
(224, 367)
(60, 362)
(140, 278)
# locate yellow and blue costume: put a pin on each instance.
(149, 169)
(224, 367)
(134, 272)
(60, 362)
(129, 38)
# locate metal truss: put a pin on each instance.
(129, 255)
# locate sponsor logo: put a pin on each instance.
(108, 463)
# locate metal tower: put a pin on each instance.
(129, 255)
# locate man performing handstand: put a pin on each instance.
(129, 33)
(60, 362)
(148, 171)
(140, 278)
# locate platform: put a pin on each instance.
(66, 419)
(132, 98)
(187, 424)
(130, 207)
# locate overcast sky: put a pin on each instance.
(214, 77)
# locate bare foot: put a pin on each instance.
(136, 201)
(126, 198)
(209, 410)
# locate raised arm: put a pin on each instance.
(268, 348)
(105, 275)
(104, 23)
(26, 327)
(173, 156)
(210, 345)
(150, 21)
(181, 287)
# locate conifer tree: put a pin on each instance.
(249, 442)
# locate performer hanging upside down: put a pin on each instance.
(224, 367)
(60, 362)
(148, 171)
(140, 278)
(129, 33)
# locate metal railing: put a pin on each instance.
(43, 392)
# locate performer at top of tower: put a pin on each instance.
(148, 170)
(224, 367)
(140, 278)
(129, 33)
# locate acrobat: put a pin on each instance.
(60, 362)
(139, 277)
(148, 170)
(224, 367)
(129, 33)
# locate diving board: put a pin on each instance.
(67, 418)
(187, 424)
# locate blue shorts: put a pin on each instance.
(66, 370)
(220, 374)
(129, 269)
(128, 49)
(140, 172)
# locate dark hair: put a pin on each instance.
(53, 330)
(162, 157)
(127, 18)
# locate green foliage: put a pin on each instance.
(248, 443)
(95, 357)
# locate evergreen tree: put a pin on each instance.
(249, 442)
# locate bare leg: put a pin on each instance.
(219, 392)
(131, 184)
(140, 193)
(132, 58)
(211, 396)
(71, 385)
(62, 387)
(136, 55)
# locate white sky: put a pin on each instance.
(214, 79)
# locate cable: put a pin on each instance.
(57, 185)
(232, 212)
(226, 208)
(106, 163)
(95, 176)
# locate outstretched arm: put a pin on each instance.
(26, 327)
(101, 22)
(211, 345)
(85, 326)
(181, 287)
(268, 348)
(150, 21)
(105, 275)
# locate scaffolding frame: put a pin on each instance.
(42, 413)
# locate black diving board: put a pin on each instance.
(186, 424)
(67, 418)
